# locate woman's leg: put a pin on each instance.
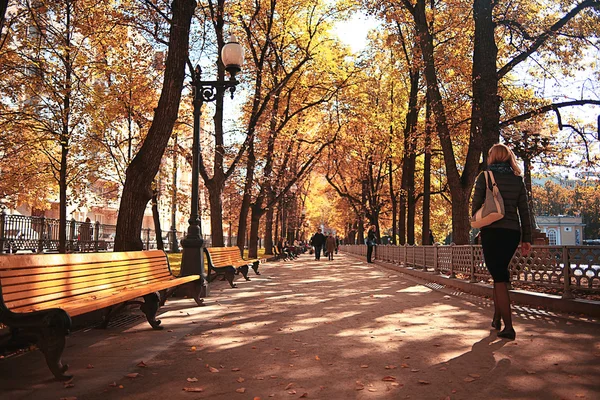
(503, 303)
(369, 253)
(497, 314)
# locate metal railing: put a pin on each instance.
(40, 234)
(544, 265)
(20, 233)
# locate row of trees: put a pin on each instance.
(94, 91)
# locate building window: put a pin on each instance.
(552, 237)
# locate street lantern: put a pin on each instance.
(232, 57)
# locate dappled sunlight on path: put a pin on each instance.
(344, 329)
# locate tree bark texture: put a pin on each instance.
(144, 166)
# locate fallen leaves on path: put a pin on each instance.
(422, 382)
(69, 384)
(133, 375)
(235, 369)
(289, 386)
(193, 389)
(142, 364)
(240, 379)
(390, 367)
(364, 366)
(192, 379)
(304, 395)
(359, 385)
(389, 378)
(212, 369)
(241, 390)
(90, 366)
(317, 358)
(68, 398)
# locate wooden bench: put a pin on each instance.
(227, 262)
(40, 293)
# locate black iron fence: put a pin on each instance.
(20, 233)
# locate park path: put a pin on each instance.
(338, 329)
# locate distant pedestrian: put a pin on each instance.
(330, 245)
(500, 239)
(431, 238)
(371, 242)
(317, 241)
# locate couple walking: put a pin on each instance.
(319, 240)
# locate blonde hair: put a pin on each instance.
(501, 153)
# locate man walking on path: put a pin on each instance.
(317, 241)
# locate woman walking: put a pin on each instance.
(330, 245)
(500, 239)
(371, 242)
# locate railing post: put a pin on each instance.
(405, 256)
(147, 238)
(472, 249)
(96, 235)
(2, 220)
(41, 238)
(452, 274)
(72, 235)
(567, 294)
(436, 268)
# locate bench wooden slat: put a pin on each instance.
(34, 260)
(63, 288)
(68, 292)
(79, 268)
(104, 299)
(40, 280)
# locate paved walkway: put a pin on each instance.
(323, 330)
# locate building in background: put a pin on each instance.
(562, 229)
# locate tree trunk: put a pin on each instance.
(393, 199)
(460, 186)
(65, 135)
(426, 224)
(257, 213)
(486, 104)
(156, 218)
(144, 166)
(215, 200)
(269, 229)
(247, 198)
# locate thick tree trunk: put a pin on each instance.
(144, 166)
(65, 135)
(257, 213)
(156, 218)
(486, 103)
(269, 228)
(215, 199)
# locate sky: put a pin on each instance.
(354, 31)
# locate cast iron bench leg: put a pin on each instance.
(150, 308)
(255, 266)
(244, 270)
(230, 276)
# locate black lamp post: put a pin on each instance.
(232, 56)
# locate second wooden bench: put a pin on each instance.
(227, 262)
